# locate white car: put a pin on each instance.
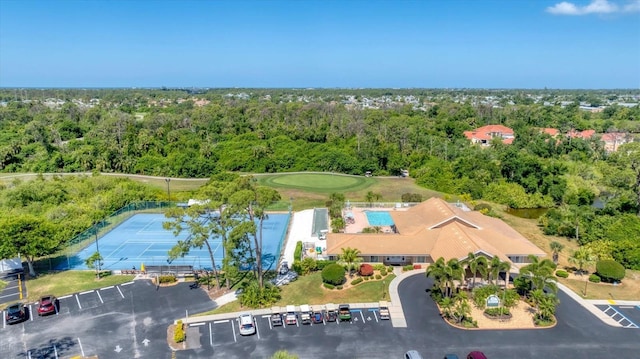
(246, 324)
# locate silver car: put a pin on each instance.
(246, 324)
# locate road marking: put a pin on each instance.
(122, 295)
(146, 342)
(625, 306)
(257, 331)
(268, 320)
(123, 284)
(220, 321)
(375, 315)
(81, 350)
(233, 327)
(197, 324)
(87, 292)
(266, 316)
(99, 297)
(65, 297)
(30, 313)
(118, 349)
(210, 335)
(55, 351)
(4, 320)
(362, 315)
(105, 288)
(78, 300)
(29, 354)
(10, 295)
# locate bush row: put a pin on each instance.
(562, 273)
(167, 278)
(297, 253)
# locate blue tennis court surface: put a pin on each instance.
(141, 239)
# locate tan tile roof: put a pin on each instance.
(438, 229)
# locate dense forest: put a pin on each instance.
(198, 133)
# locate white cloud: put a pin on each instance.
(595, 7)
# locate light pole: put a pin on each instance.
(95, 226)
(168, 190)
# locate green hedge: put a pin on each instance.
(378, 276)
(333, 274)
(356, 281)
(339, 287)
(562, 273)
(329, 286)
(379, 266)
(610, 270)
(594, 278)
(297, 254)
(408, 267)
(167, 278)
(322, 264)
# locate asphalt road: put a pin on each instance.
(130, 321)
(11, 292)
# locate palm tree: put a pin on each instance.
(556, 248)
(453, 271)
(349, 257)
(541, 273)
(476, 264)
(581, 257)
(436, 271)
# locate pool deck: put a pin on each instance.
(361, 221)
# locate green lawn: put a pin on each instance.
(308, 290)
(316, 182)
(68, 282)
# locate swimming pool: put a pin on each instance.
(379, 218)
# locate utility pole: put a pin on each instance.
(168, 190)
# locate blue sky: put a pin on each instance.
(432, 44)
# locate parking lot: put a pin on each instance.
(123, 321)
(11, 292)
(627, 316)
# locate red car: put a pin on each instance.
(48, 305)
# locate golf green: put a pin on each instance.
(316, 182)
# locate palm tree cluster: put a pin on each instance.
(539, 284)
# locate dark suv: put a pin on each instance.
(16, 314)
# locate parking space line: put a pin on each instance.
(220, 321)
(210, 335)
(4, 320)
(30, 313)
(55, 351)
(233, 327)
(122, 295)
(362, 316)
(29, 354)
(78, 300)
(375, 315)
(81, 350)
(257, 330)
(99, 297)
(65, 297)
(199, 324)
(87, 292)
(123, 284)
(105, 288)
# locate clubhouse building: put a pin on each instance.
(434, 229)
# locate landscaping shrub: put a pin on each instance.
(390, 269)
(383, 272)
(366, 270)
(357, 281)
(296, 266)
(562, 273)
(329, 286)
(333, 274)
(379, 266)
(256, 297)
(408, 267)
(594, 278)
(609, 270)
(339, 287)
(320, 265)
(179, 335)
(495, 312)
(482, 206)
(167, 278)
(307, 266)
(297, 253)
(367, 278)
(378, 276)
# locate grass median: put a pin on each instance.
(67, 282)
(308, 290)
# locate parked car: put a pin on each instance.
(16, 313)
(331, 314)
(305, 314)
(476, 355)
(284, 268)
(412, 354)
(344, 312)
(450, 356)
(291, 318)
(276, 316)
(317, 317)
(48, 304)
(246, 324)
(384, 310)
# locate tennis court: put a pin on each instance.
(141, 239)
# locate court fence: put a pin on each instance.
(98, 230)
